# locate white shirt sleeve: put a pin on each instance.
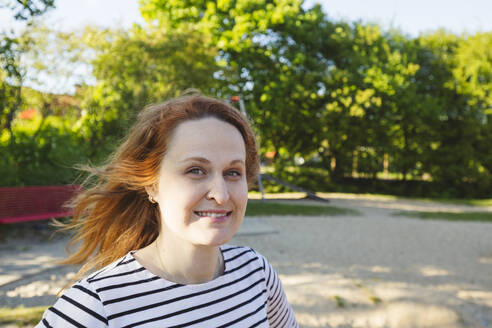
(279, 311)
(79, 306)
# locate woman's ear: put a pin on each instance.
(152, 192)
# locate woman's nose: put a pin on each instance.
(218, 190)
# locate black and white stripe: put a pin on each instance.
(125, 294)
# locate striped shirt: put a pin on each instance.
(125, 294)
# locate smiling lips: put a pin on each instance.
(216, 215)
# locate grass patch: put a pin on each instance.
(449, 216)
(474, 202)
(339, 301)
(258, 208)
(22, 315)
(300, 195)
(454, 201)
(375, 300)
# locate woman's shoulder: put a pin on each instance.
(242, 255)
(125, 274)
(233, 251)
(121, 267)
(82, 304)
(79, 306)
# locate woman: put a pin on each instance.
(155, 226)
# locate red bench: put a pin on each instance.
(20, 204)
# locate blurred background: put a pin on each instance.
(391, 97)
(349, 99)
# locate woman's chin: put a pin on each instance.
(216, 238)
(217, 234)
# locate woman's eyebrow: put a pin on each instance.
(206, 161)
(240, 161)
(195, 159)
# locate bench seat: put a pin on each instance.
(21, 204)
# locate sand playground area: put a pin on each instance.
(370, 269)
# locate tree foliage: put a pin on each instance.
(138, 67)
(332, 100)
(11, 49)
(348, 95)
(27, 9)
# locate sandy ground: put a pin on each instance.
(367, 270)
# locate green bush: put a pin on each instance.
(43, 152)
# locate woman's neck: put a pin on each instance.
(186, 264)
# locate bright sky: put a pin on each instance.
(416, 16)
(412, 16)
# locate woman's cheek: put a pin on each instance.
(241, 192)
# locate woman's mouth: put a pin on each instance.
(216, 216)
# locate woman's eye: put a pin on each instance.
(196, 171)
(234, 173)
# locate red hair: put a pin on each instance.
(113, 215)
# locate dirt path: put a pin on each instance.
(367, 270)
(377, 270)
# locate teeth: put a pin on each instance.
(211, 214)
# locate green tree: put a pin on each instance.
(372, 108)
(27, 9)
(138, 67)
(267, 54)
(11, 49)
(473, 74)
(11, 78)
(458, 73)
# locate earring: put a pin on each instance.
(151, 199)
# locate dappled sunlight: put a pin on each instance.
(477, 296)
(37, 289)
(376, 271)
(27, 263)
(394, 291)
(485, 259)
(49, 286)
(29, 274)
(7, 278)
(30, 259)
(320, 300)
(405, 315)
(431, 271)
(373, 269)
(380, 269)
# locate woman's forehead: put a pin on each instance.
(204, 138)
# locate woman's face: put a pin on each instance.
(202, 189)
